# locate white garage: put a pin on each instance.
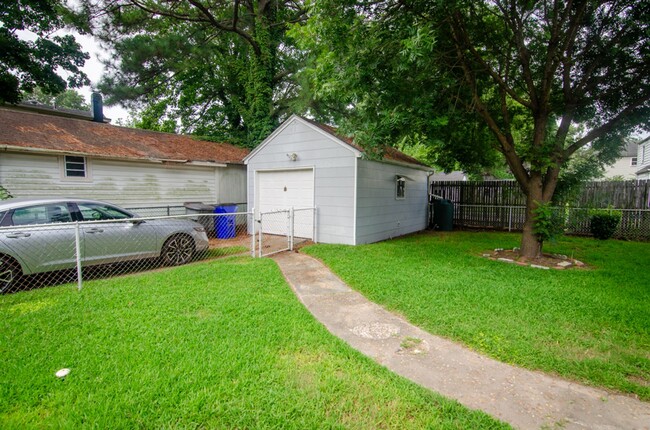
(305, 165)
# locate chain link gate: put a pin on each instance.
(281, 230)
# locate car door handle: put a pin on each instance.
(95, 230)
(18, 235)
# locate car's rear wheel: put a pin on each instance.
(177, 250)
(9, 273)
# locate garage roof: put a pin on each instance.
(28, 131)
(390, 153)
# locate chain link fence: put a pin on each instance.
(634, 224)
(49, 249)
(33, 256)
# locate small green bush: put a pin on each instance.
(4, 194)
(603, 223)
(549, 224)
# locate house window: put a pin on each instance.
(400, 187)
(633, 161)
(75, 167)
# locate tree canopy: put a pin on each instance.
(69, 99)
(535, 81)
(212, 68)
(27, 64)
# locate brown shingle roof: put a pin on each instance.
(390, 153)
(52, 133)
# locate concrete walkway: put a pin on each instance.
(525, 399)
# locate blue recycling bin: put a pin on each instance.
(224, 225)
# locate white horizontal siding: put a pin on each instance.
(621, 167)
(232, 184)
(131, 184)
(333, 166)
(380, 215)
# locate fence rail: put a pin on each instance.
(172, 210)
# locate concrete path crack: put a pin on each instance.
(523, 398)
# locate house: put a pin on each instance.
(54, 153)
(643, 159)
(456, 175)
(625, 166)
(358, 200)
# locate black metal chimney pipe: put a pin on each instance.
(98, 107)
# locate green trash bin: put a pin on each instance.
(443, 215)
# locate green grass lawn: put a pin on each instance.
(219, 344)
(588, 325)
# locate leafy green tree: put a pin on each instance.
(478, 76)
(69, 99)
(26, 64)
(214, 68)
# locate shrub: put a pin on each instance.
(549, 223)
(603, 223)
(4, 194)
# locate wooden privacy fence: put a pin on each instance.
(500, 205)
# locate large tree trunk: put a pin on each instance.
(531, 245)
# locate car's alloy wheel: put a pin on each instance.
(9, 272)
(178, 250)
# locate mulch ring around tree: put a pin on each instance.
(546, 261)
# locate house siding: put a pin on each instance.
(621, 168)
(333, 166)
(129, 184)
(380, 215)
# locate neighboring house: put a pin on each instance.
(456, 175)
(305, 164)
(46, 155)
(643, 159)
(625, 166)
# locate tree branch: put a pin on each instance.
(231, 29)
(466, 43)
(607, 127)
(507, 148)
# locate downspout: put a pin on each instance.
(429, 205)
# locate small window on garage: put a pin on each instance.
(75, 167)
(633, 161)
(400, 187)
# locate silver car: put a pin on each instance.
(40, 235)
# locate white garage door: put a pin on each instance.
(282, 190)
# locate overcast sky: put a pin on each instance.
(94, 69)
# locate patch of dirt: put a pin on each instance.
(413, 345)
(546, 261)
(639, 380)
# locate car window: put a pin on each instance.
(98, 211)
(41, 214)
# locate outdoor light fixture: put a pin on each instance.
(293, 156)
